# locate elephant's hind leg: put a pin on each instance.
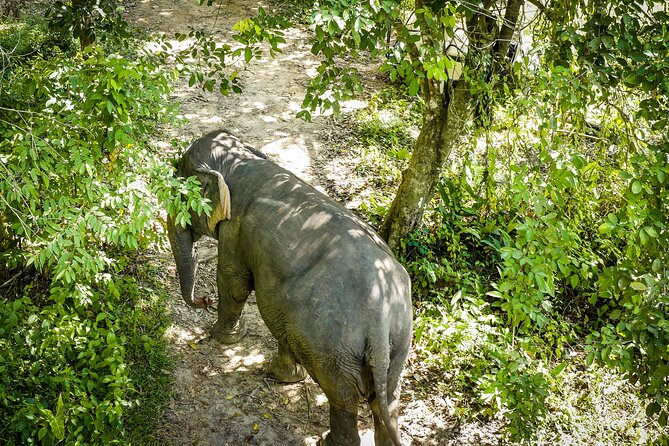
(343, 427)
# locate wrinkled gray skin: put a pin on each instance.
(326, 285)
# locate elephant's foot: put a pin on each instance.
(327, 439)
(227, 336)
(287, 370)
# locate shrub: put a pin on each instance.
(78, 188)
(21, 42)
(76, 378)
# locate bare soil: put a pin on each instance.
(223, 395)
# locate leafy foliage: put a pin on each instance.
(22, 42)
(344, 28)
(88, 20)
(508, 273)
(89, 387)
(623, 48)
(84, 360)
(208, 63)
(93, 122)
(81, 190)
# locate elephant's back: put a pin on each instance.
(291, 219)
(326, 261)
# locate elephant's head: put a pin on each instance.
(182, 239)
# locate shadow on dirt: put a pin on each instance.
(222, 394)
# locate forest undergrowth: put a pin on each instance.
(539, 274)
(506, 270)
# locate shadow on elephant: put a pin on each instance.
(327, 287)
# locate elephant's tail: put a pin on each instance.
(380, 364)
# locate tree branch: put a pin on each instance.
(508, 29)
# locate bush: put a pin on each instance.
(21, 42)
(63, 377)
(457, 252)
(69, 377)
(545, 243)
(78, 192)
(486, 369)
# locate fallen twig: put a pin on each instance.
(14, 277)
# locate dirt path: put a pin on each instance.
(223, 395)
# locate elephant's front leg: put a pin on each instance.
(284, 367)
(234, 287)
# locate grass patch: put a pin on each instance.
(146, 319)
(378, 147)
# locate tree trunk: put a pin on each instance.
(446, 115)
(508, 29)
(83, 30)
(443, 122)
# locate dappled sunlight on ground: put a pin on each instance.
(179, 335)
(290, 150)
(265, 114)
(223, 394)
(242, 361)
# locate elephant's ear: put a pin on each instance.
(219, 193)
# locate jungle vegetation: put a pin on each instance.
(530, 210)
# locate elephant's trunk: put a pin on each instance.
(181, 240)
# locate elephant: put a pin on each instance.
(326, 285)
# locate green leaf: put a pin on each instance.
(590, 359)
(606, 351)
(557, 371)
(643, 237)
(304, 114)
(662, 419)
(638, 286)
(605, 228)
(657, 265)
(59, 427)
(652, 409)
(650, 231)
(574, 280)
(414, 86)
(637, 187)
